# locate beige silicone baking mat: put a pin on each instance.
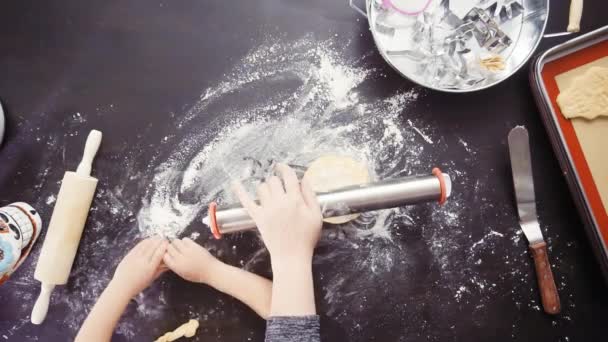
(592, 134)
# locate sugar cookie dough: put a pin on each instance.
(332, 172)
(185, 330)
(587, 96)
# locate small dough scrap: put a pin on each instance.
(185, 330)
(587, 96)
(332, 172)
(493, 63)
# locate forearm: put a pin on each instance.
(100, 324)
(293, 289)
(249, 288)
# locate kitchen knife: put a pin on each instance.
(521, 165)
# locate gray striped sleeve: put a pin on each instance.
(293, 329)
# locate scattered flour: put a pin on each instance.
(292, 102)
(424, 136)
(317, 105)
(314, 110)
(51, 199)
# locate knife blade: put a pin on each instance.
(523, 183)
(521, 165)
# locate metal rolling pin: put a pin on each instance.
(354, 199)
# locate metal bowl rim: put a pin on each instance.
(458, 91)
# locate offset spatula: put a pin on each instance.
(521, 164)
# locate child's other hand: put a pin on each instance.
(288, 218)
(189, 260)
(140, 267)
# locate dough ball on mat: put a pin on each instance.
(332, 172)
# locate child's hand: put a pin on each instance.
(140, 267)
(289, 219)
(189, 260)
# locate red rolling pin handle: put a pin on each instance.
(213, 221)
(443, 196)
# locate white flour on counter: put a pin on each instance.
(315, 110)
(292, 102)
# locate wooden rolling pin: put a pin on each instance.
(65, 228)
(576, 14)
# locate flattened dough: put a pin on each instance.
(333, 172)
(184, 330)
(587, 95)
(591, 134)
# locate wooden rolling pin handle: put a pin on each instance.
(90, 150)
(576, 14)
(544, 275)
(42, 303)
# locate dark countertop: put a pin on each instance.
(134, 69)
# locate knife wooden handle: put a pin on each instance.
(546, 283)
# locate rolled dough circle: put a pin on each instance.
(332, 172)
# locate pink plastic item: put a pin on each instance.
(423, 4)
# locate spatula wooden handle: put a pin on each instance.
(544, 275)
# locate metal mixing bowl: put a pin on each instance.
(530, 31)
